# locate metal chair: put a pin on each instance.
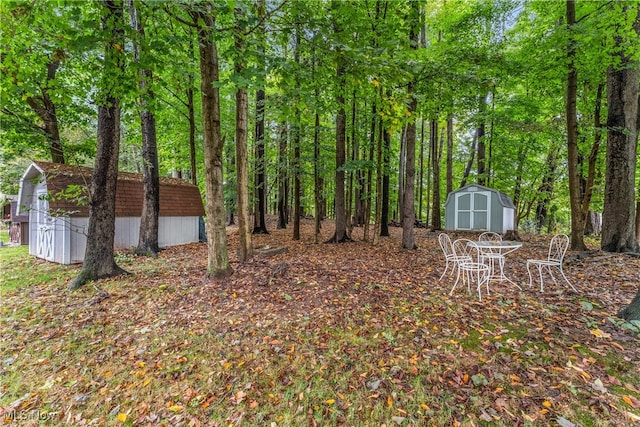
(490, 236)
(489, 256)
(555, 257)
(449, 255)
(473, 270)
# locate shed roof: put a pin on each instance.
(177, 197)
(504, 198)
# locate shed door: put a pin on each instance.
(45, 228)
(472, 210)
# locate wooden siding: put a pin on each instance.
(177, 197)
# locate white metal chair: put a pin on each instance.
(451, 259)
(555, 257)
(471, 271)
(490, 236)
(489, 256)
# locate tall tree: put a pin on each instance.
(297, 130)
(575, 190)
(408, 210)
(618, 217)
(340, 235)
(245, 245)
(98, 259)
(203, 17)
(260, 183)
(149, 220)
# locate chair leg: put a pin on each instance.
(541, 279)
(565, 278)
(456, 282)
(529, 271)
(446, 267)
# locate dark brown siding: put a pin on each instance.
(177, 197)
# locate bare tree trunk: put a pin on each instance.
(545, 190)
(98, 260)
(282, 177)
(380, 225)
(297, 129)
(218, 259)
(421, 171)
(472, 154)
(449, 171)
(480, 132)
(340, 234)
(260, 221)
(317, 184)
(149, 220)
(386, 184)
(192, 122)
(260, 182)
(436, 217)
(618, 216)
(402, 161)
(575, 190)
(245, 244)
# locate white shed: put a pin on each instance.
(55, 197)
(475, 207)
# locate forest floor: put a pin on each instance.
(323, 334)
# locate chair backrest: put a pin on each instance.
(490, 236)
(558, 247)
(445, 244)
(466, 247)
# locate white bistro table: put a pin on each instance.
(495, 252)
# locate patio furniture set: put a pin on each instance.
(479, 262)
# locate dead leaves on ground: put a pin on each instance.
(342, 334)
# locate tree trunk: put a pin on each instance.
(282, 178)
(297, 129)
(192, 122)
(545, 190)
(618, 217)
(472, 155)
(436, 220)
(149, 220)
(98, 260)
(340, 235)
(449, 171)
(245, 245)
(378, 228)
(386, 182)
(260, 221)
(421, 171)
(260, 182)
(317, 183)
(408, 210)
(218, 259)
(402, 161)
(480, 132)
(575, 190)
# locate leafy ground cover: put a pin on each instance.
(349, 334)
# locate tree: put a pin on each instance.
(575, 191)
(218, 259)
(149, 220)
(260, 183)
(245, 247)
(408, 210)
(98, 260)
(618, 217)
(340, 235)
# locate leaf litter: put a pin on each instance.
(324, 334)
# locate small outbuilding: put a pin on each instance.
(478, 208)
(56, 196)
